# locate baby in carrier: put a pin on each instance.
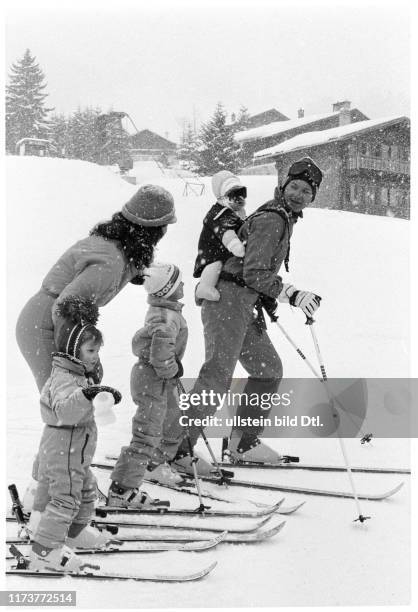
(218, 239)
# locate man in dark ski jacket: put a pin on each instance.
(231, 331)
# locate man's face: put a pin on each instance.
(298, 195)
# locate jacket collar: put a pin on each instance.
(165, 303)
(63, 360)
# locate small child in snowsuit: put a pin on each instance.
(159, 346)
(218, 239)
(66, 492)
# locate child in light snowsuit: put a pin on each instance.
(159, 346)
(218, 239)
(66, 491)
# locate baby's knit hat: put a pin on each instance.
(151, 205)
(223, 182)
(161, 279)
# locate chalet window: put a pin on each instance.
(385, 151)
(393, 197)
(377, 152)
(394, 152)
(384, 196)
(363, 148)
(352, 149)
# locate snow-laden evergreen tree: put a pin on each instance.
(241, 124)
(58, 134)
(81, 142)
(26, 113)
(217, 150)
(188, 145)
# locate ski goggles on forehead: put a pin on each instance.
(237, 192)
(307, 168)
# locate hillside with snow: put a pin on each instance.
(359, 264)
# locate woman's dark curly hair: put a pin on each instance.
(136, 242)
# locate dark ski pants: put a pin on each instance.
(155, 437)
(35, 335)
(67, 489)
(231, 336)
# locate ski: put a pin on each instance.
(304, 491)
(206, 495)
(99, 575)
(315, 468)
(142, 546)
(103, 511)
(112, 524)
(183, 488)
(230, 538)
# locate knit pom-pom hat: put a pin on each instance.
(161, 279)
(151, 205)
(76, 315)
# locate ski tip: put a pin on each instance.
(395, 490)
(269, 533)
(291, 509)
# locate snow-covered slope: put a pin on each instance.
(357, 263)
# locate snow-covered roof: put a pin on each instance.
(310, 139)
(277, 127)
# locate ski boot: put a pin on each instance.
(57, 560)
(122, 497)
(89, 537)
(183, 464)
(163, 474)
(248, 447)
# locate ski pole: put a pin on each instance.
(224, 475)
(365, 437)
(17, 510)
(310, 322)
(194, 459)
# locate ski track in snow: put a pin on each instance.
(321, 557)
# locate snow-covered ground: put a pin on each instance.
(359, 264)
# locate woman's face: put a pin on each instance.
(298, 195)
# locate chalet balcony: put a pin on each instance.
(362, 162)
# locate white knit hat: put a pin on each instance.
(223, 182)
(161, 279)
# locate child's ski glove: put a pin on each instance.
(91, 392)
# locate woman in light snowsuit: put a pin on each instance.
(96, 267)
(232, 332)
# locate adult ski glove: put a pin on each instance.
(91, 392)
(306, 300)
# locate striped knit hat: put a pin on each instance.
(161, 279)
(75, 316)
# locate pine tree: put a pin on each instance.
(242, 123)
(59, 134)
(188, 145)
(81, 142)
(218, 150)
(26, 114)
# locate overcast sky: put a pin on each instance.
(165, 61)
